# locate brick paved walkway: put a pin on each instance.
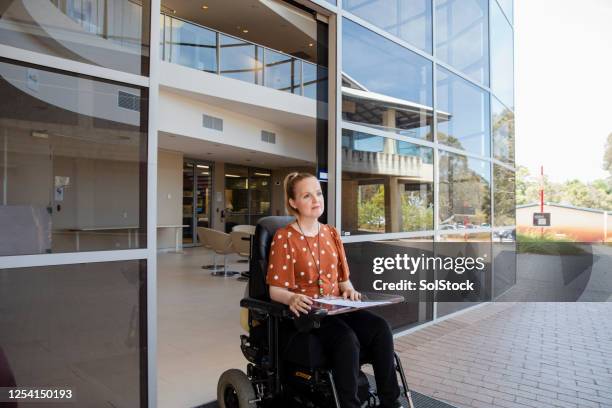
(515, 355)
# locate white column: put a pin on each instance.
(154, 64)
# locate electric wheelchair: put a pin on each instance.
(296, 376)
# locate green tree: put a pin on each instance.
(416, 214)
(597, 194)
(607, 160)
(503, 135)
(371, 207)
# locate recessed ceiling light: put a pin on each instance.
(205, 7)
(245, 31)
(41, 134)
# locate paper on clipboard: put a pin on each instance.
(358, 304)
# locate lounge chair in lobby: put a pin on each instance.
(203, 237)
(221, 244)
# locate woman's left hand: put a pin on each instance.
(352, 294)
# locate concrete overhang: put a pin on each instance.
(283, 108)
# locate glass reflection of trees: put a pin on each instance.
(503, 132)
(387, 185)
(465, 199)
(504, 196)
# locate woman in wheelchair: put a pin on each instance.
(307, 261)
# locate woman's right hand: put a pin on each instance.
(299, 303)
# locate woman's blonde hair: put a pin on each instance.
(290, 182)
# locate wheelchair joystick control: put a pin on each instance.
(312, 320)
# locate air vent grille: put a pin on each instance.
(129, 101)
(268, 137)
(211, 122)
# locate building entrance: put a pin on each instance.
(248, 195)
(197, 193)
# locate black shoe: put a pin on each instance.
(396, 404)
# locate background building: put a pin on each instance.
(114, 152)
(567, 222)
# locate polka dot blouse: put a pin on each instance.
(312, 266)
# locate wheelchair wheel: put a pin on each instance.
(234, 390)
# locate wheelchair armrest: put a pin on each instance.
(261, 306)
(303, 323)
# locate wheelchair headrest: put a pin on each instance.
(264, 232)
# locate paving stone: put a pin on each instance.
(517, 355)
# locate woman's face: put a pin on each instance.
(308, 198)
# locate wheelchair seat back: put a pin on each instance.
(264, 232)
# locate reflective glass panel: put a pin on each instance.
(410, 20)
(463, 114)
(108, 33)
(508, 8)
(465, 198)
(73, 154)
(388, 69)
(390, 89)
(192, 46)
(309, 76)
(418, 305)
(81, 327)
(475, 246)
(502, 120)
(504, 261)
(282, 72)
(238, 59)
(461, 36)
(502, 57)
(504, 197)
(387, 185)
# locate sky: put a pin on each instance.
(563, 81)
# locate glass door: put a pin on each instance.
(248, 193)
(188, 199)
(236, 196)
(197, 193)
(260, 188)
(203, 195)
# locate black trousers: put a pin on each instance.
(352, 338)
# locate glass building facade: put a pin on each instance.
(427, 148)
(423, 164)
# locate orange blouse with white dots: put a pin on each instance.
(312, 266)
